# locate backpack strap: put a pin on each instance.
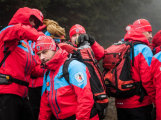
(132, 46)
(140, 90)
(65, 69)
(7, 52)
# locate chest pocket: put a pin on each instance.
(23, 45)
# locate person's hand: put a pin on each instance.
(85, 37)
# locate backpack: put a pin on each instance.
(156, 50)
(86, 56)
(117, 77)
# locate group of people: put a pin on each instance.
(31, 64)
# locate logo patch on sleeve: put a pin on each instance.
(79, 77)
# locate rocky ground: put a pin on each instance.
(111, 112)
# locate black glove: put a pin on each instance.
(85, 37)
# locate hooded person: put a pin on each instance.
(66, 101)
(131, 108)
(155, 71)
(156, 42)
(17, 63)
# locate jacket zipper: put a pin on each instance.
(52, 96)
(57, 102)
(26, 73)
(28, 46)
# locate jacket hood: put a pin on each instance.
(135, 36)
(57, 61)
(157, 39)
(23, 14)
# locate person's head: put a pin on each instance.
(45, 48)
(143, 26)
(75, 31)
(27, 16)
(157, 39)
(128, 27)
(34, 21)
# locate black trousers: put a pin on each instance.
(13, 107)
(141, 113)
(34, 99)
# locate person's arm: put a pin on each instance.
(37, 71)
(19, 32)
(98, 51)
(45, 110)
(145, 74)
(79, 78)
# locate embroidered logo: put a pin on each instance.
(38, 48)
(77, 30)
(79, 77)
(24, 45)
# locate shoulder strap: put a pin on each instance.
(65, 70)
(7, 52)
(132, 46)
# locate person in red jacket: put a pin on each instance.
(131, 108)
(66, 101)
(17, 64)
(156, 42)
(36, 83)
(155, 70)
(74, 32)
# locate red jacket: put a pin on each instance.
(62, 98)
(98, 51)
(140, 70)
(20, 62)
(155, 70)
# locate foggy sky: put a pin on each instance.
(151, 12)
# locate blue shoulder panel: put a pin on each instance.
(45, 84)
(77, 74)
(60, 82)
(145, 50)
(30, 42)
(6, 28)
(22, 46)
(158, 56)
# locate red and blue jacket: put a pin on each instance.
(156, 73)
(20, 62)
(64, 99)
(140, 70)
